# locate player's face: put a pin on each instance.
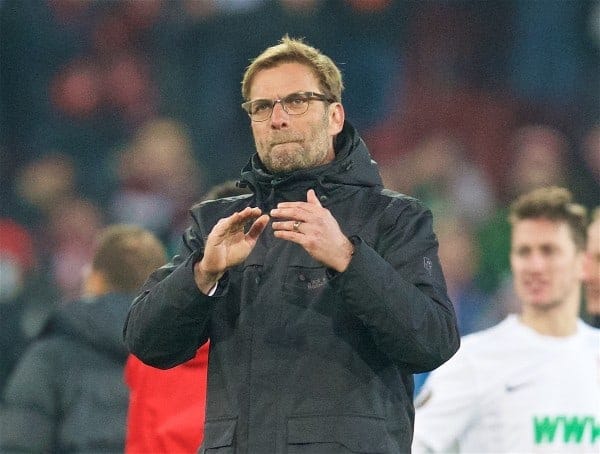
(547, 267)
(287, 142)
(592, 269)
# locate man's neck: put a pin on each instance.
(558, 321)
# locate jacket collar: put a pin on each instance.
(352, 166)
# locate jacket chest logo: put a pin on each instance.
(313, 283)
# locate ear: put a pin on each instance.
(336, 118)
(94, 284)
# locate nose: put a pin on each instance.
(279, 117)
(536, 262)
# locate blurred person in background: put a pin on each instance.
(67, 394)
(592, 272)
(318, 317)
(166, 407)
(591, 151)
(438, 171)
(71, 230)
(588, 178)
(158, 178)
(529, 384)
(62, 222)
(43, 183)
(537, 157)
(459, 256)
(27, 297)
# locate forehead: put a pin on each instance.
(538, 232)
(282, 80)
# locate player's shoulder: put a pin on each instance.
(490, 338)
(588, 329)
(589, 334)
(489, 342)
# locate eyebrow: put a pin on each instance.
(286, 95)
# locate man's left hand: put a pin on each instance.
(315, 229)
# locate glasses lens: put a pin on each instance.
(260, 109)
(295, 104)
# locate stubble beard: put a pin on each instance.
(549, 303)
(287, 152)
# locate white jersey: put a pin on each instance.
(511, 390)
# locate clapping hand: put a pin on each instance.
(315, 229)
(227, 245)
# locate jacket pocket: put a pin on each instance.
(308, 288)
(219, 436)
(336, 435)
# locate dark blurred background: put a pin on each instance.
(129, 111)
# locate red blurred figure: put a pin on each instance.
(166, 407)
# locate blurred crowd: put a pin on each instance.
(129, 112)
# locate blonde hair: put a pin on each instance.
(553, 203)
(295, 50)
(127, 255)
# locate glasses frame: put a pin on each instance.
(310, 95)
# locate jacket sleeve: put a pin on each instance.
(397, 288)
(29, 412)
(168, 320)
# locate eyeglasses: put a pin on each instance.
(293, 104)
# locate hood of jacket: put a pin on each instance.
(352, 166)
(96, 322)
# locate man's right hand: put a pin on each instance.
(228, 245)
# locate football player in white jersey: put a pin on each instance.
(530, 384)
(592, 271)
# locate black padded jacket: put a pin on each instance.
(304, 359)
(67, 393)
